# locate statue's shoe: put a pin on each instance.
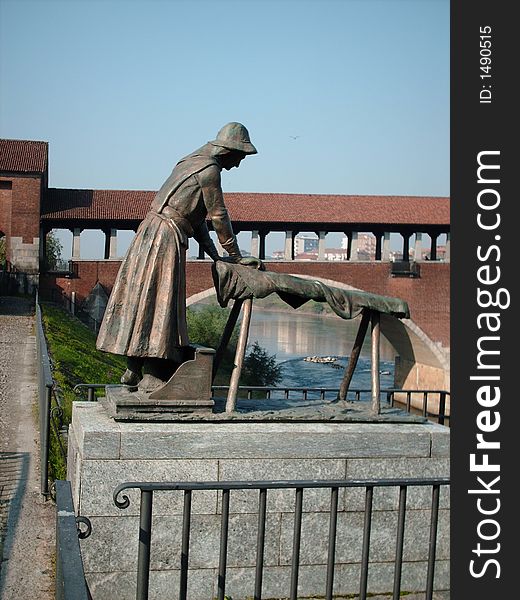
(130, 378)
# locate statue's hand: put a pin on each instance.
(252, 261)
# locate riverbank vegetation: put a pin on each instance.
(205, 327)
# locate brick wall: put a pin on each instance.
(25, 214)
(87, 274)
(5, 205)
(20, 219)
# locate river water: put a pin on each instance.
(292, 336)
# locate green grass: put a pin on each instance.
(72, 346)
(74, 359)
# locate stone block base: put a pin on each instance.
(104, 453)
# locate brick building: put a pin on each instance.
(23, 183)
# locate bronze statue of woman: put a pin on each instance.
(145, 319)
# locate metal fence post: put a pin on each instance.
(432, 542)
(145, 539)
(45, 408)
(442, 408)
(45, 385)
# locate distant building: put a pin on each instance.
(307, 256)
(305, 244)
(366, 242)
(366, 246)
(336, 254)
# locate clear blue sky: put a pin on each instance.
(121, 89)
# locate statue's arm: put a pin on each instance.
(201, 235)
(209, 180)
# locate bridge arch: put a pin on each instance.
(421, 363)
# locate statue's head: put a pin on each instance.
(234, 136)
(229, 158)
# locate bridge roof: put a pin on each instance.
(23, 156)
(327, 208)
(256, 208)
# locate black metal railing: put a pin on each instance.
(90, 388)
(147, 490)
(440, 396)
(70, 575)
(49, 406)
(428, 403)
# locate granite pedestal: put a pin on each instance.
(104, 453)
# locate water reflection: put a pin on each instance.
(291, 334)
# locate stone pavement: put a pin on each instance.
(27, 522)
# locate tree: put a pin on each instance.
(53, 248)
(260, 368)
(205, 327)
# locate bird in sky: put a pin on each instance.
(294, 137)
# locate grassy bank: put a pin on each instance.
(74, 358)
(72, 347)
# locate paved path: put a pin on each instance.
(27, 522)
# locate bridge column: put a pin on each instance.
(349, 243)
(289, 245)
(377, 255)
(447, 256)
(76, 233)
(113, 243)
(433, 249)
(255, 243)
(110, 243)
(321, 244)
(353, 246)
(386, 247)
(263, 235)
(201, 253)
(406, 246)
(418, 246)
